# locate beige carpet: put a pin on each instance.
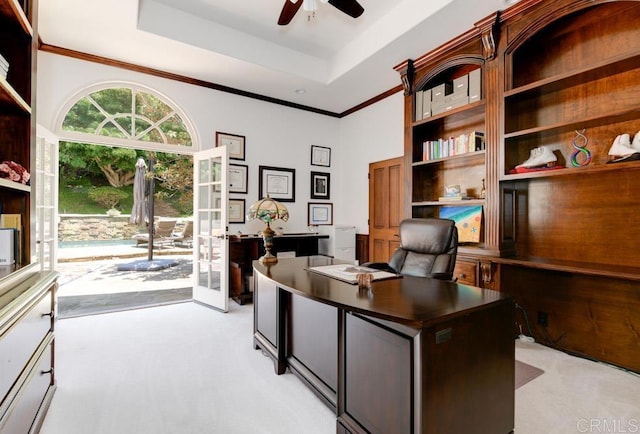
(185, 369)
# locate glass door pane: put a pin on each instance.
(210, 259)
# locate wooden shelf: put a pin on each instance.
(9, 98)
(466, 155)
(12, 185)
(603, 270)
(613, 116)
(449, 202)
(574, 171)
(476, 107)
(604, 68)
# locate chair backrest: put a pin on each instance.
(164, 228)
(428, 248)
(183, 232)
(187, 231)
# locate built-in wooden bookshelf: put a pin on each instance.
(17, 122)
(562, 241)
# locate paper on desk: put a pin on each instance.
(349, 273)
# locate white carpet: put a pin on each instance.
(174, 369)
(184, 368)
(575, 395)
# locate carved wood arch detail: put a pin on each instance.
(545, 20)
(453, 62)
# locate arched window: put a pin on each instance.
(126, 115)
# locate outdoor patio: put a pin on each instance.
(90, 282)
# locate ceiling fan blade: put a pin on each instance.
(288, 11)
(349, 7)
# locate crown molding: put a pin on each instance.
(47, 48)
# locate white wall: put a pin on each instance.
(373, 134)
(275, 135)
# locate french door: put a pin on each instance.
(46, 180)
(210, 258)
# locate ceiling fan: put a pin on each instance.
(349, 7)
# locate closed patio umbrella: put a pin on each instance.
(139, 209)
(142, 211)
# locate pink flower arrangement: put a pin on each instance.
(14, 172)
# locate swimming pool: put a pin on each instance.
(95, 243)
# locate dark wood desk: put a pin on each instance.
(244, 249)
(411, 355)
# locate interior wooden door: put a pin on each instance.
(386, 204)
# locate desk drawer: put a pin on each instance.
(23, 414)
(466, 272)
(18, 344)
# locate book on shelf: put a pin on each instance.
(4, 67)
(452, 146)
(11, 221)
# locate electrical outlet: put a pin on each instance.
(543, 318)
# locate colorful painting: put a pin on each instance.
(468, 221)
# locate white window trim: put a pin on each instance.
(75, 136)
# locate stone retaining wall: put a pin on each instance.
(83, 227)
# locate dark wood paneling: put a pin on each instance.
(592, 316)
(266, 310)
(243, 250)
(581, 218)
(474, 369)
(313, 338)
(378, 374)
(362, 248)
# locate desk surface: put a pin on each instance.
(291, 235)
(412, 301)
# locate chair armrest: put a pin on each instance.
(382, 266)
(442, 276)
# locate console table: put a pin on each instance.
(410, 355)
(244, 249)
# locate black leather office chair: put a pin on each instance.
(428, 248)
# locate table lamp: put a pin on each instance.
(268, 210)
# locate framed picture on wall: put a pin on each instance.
(278, 183)
(319, 214)
(238, 175)
(233, 142)
(236, 210)
(320, 185)
(320, 156)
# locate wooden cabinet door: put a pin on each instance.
(386, 204)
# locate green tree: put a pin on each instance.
(174, 174)
(117, 165)
(107, 196)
